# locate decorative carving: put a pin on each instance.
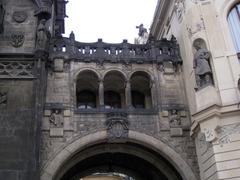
(180, 9)
(56, 118)
(225, 132)
(19, 16)
(117, 126)
(16, 69)
(174, 118)
(2, 13)
(210, 135)
(43, 36)
(3, 99)
(201, 64)
(17, 40)
(198, 27)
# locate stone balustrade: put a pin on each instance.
(152, 52)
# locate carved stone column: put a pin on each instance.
(128, 94)
(101, 94)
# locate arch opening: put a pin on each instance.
(141, 90)
(87, 90)
(132, 161)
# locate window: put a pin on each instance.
(234, 25)
(138, 99)
(86, 100)
(112, 100)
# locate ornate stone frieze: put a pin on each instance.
(16, 69)
(117, 126)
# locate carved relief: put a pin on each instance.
(56, 119)
(199, 26)
(180, 9)
(210, 135)
(174, 118)
(225, 132)
(117, 126)
(16, 69)
(19, 16)
(17, 40)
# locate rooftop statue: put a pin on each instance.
(142, 35)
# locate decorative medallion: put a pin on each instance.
(19, 16)
(17, 40)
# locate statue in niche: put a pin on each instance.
(201, 65)
(56, 118)
(174, 119)
(43, 35)
(2, 13)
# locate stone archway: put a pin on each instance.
(67, 157)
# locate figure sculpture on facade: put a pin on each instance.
(43, 35)
(56, 118)
(142, 35)
(175, 119)
(201, 65)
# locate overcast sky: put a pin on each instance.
(111, 20)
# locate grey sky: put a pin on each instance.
(111, 20)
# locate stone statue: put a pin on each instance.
(2, 13)
(201, 65)
(43, 35)
(143, 35)
(142, 30)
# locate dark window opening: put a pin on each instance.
(112, 100)
(138, 99)
(86, 100)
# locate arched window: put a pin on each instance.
(112, 100)
(138, 99)
(234, 25)
(86, 100)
